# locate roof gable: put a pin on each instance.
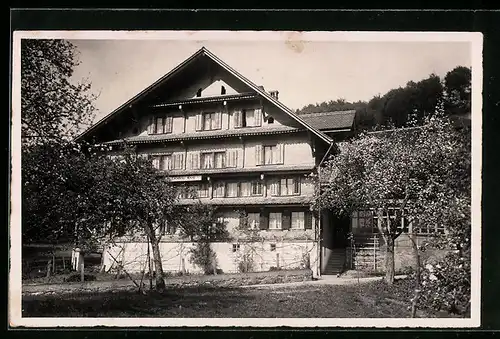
(201, 60)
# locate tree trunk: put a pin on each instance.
(389, 261)
(160, 282)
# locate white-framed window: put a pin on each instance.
(160, 124)
(256, 188)
(203, 190)
(275, 220)
(289, 186)
(253, 220)
(298, 219)
(162, 162)
(220, 159)
(219, 190)
(245, 189)
(210, 121)
(392, 213)
(247, 117)
(285, 186)
(269, 154)
(232, 189)
(236, 247)
(213, 160)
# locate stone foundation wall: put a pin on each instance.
(231, 256)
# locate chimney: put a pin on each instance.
(274, 94)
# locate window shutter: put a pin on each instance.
(218, 120)
(196, 162)
(168, 124)
(259, 155)
(199, 122)
(286, 222)
(279, 154)
(264, 220)
(257, 117)
(237, 116)
(151, 125)
(190, 160)
(182, 160)
(308, 220)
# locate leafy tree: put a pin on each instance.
(53, 105)
(422, 171)
(76, 193)
(201, 223)
(135, 198)
(457, 85)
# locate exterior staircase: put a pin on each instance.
(336, 262)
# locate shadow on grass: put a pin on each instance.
(174, 302)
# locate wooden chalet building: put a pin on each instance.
(242, 150)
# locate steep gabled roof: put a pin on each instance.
(232, 71)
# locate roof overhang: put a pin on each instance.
(204, 52)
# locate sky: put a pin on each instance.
(304, 72)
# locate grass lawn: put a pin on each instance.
(308, 301)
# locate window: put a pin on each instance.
(219, 189)
(245, 189)
(236, 247)
(160, 125)
(270, 120)
(213, 160)
(274, 221)
(400, 224)
(269, 154)
(298, 220)
(289, 186)
(273, 247)
(363, 221)
(194, 160)
(247, 118)
(220, 159)
(256, 188)
(167, 228)
(285, 186)
(178, 161)
(208, 121)
(253, 221)
(232, 189)
(162, 162)
(203, 190)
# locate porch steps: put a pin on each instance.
(336, 262)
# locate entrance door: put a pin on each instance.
(341, 232)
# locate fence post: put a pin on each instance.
(278, 261)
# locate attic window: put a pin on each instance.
(198, 94)
(222, 90)
(270, 120)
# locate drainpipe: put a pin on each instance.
(318, 229)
